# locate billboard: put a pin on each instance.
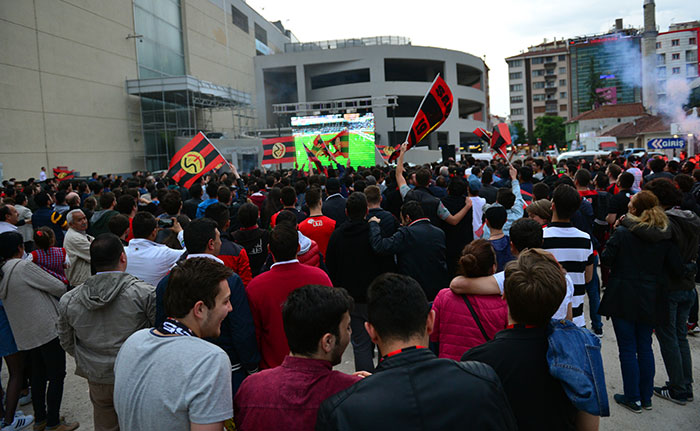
(360, 128)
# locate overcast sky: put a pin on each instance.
(493, 29)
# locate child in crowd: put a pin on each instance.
(53, 260)
(495, 219)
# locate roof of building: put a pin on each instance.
(645, 124)
(611, 111)
(538, 53)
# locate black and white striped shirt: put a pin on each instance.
(574, 251)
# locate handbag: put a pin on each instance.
(476, 318)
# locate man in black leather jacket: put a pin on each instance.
(411, 388)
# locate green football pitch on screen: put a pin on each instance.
(362, 150)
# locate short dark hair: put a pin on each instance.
(212, 188)
(312, 311)
(540, 191)
(526, 174)
(196, 190)
(332, 186)
(423, 177)
(288, 196)
(105, 251)
(615, 170)
(526, 233)
(657, 164)
(356, 206)
(505, 197)
(248, 214)
(198, 234)
(10, 242)
(4, 212)
(534, 287)
(125, 204)
(666, 191)
(457, 187)
(625, 180)
(583, 177)
(41, 199)
(373, 194)
(219, 213)
(106, 200)
(313, 196)
(223, 194)
(172, 202)
(496, 216)
(143, 224)
(566, 201)
(487, 176)
(413, 210)
(284, 242)
(118, 224)
(397, 307)
(286, 216)
(193, 280)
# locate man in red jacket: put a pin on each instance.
(233, 255)
(268, 291)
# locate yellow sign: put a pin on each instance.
(192, 162)
(278, 150)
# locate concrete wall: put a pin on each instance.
(312, 63)
(62, 76)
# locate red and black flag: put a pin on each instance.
(193, 160)
(433, 111)
(62, 173)
(500, 139)
(324, 148)
(384, 151)
(341, 143)
(313, 153)
(279, 150)
(484, 135)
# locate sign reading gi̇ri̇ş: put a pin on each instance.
(665, 143)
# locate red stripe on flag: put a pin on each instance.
(219, 159)
(186, 149)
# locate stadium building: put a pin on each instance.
(372, 69)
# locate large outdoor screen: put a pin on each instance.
(360, 127)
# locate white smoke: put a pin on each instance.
(677, 95)
(626, 61)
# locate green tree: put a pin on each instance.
(522, 135)
(550, 128)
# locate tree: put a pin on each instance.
(519, 130)
(550, 129)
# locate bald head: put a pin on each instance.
(73, 199)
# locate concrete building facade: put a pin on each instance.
(376, 67)
(66, 65)
(539, 83)
(677, 55)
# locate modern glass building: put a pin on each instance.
(605, 70)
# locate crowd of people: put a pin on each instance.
(461, 287)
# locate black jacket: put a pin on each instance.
(640, 260)
(255, 242)
(405, 393)
(387, 221)
(334, 207)
(189, 207)
(456, 237)
(420, 252)
(427, 201)
(489, 193)
(351, 262)
(685, 232)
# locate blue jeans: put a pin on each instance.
(636, 358)
(673, 340)
(593, 292)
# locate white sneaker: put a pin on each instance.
(26, 399)
(20, 423)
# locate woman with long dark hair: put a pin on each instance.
(639, 254)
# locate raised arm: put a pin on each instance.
(488, 285)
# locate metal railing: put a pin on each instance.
(346, 43)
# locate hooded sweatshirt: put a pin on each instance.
(99, 221)
(117, 303)
(685, 231)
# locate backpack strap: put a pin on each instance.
(476, 317)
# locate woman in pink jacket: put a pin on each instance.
(465, 321)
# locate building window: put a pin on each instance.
(516, 99)
(260, 34)
(691, 70)
(515, 63)
(692, 41)
(691, 56)
(516, 75)
(516, 111)
(562, 95)
(562, 82)
(538, 60)
(661, 85)
(562, 107)
(660, 59)
(549, 59)
(539, 72)
(339, 78)
(240, 19)
(538, 97)
(516, 87)
(562, 58)
(538, 85)
(160, 52)
(539, 109)
(562, 70)
(676, 71)
(661, 72)
(675, 42)
(658, 45)
(676, 56)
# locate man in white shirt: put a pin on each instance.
(8, 218)
(42, 174)
(634, 170)
(146, 259)
(477, 209)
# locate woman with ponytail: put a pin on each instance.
(640, 255)
(466, 321)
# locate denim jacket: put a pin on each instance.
(574, 359)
